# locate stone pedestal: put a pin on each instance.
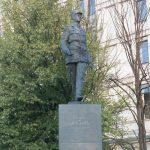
(80, 127)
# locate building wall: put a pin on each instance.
(104, 9)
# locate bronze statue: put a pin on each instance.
(74, 47)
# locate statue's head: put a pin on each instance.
(76, 15)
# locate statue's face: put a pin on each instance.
(77, 17)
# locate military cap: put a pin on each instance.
(76, 12)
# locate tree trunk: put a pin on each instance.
(140, 103)
(141, 125)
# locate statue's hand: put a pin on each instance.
(69, 53)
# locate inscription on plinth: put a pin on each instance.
(80, 127)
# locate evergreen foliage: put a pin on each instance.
(32, 74)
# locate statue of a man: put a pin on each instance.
(74, 47)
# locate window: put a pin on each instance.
(144, 52)
(142, 10)
(82, 5)
(91, 7)
(146, 93)
(145, 88)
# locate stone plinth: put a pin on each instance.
(80, 127)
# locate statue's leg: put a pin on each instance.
(72, 76)
(80, 74)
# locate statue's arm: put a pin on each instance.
(64, 42)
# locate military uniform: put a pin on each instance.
(74, 45)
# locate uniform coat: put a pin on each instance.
(73, 45)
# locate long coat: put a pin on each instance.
(73, 45)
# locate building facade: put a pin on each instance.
(106, 11)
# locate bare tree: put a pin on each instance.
(130, 35)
